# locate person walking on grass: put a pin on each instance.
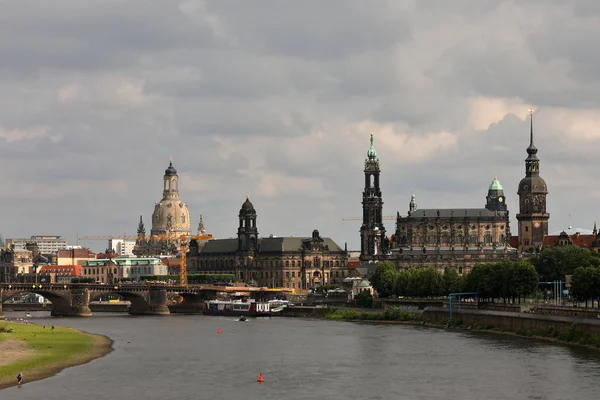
(20, 379)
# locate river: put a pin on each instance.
(183, 357)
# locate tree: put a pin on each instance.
(452, 282)
(364, 299)
(552, 264)
(384, 279)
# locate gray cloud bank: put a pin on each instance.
(277, 99)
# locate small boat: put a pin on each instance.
(243, 319)
(27, 315)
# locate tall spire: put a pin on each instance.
(141, 231)
(532, 162)
(595, 231)
(531, 149)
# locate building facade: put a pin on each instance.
(74, 256)
(290, 262)
(46, 244)
(122, 247)
(115, 269)
(575, 237)
(533, 217)
(455, 238)
(170, 220)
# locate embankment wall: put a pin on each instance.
(512, 321)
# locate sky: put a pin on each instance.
(277, 99)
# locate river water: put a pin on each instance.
(183, 357)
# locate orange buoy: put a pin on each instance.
(260, 378)
(219, 330)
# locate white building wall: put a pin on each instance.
(124, 248)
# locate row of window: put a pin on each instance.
(231, 263)
(458, 239)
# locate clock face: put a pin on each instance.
(500, 199)
(536, 225)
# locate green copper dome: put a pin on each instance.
(372, 153)
(496, 184)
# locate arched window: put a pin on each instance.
(487, 238)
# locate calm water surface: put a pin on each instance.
(183, 357)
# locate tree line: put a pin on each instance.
(508, 280)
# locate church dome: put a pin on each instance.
(495, 185)
(532, 184)
(171, 216)
(170, 171)
(247, 207)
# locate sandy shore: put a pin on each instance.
(14, 351)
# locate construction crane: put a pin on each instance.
(183, 248)
(387, 218)
(124, 237)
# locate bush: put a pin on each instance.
(364, 299)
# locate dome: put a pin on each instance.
(171, 216)
(247, 206)
(171, 171)
(495, 185)
(532, 184)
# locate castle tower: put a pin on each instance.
(372, 231)
(532, 216)
(247, 231)
(495, 199)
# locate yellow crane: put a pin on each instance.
(183, 248)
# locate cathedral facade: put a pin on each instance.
(170, 220)
(290, 262)
(457, 237)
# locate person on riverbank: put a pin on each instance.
(20, 379)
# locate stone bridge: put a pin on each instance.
(73, 300)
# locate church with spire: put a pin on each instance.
(434, 237)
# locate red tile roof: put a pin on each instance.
(514, 241)
(576, 239)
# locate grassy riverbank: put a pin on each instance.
(574, 335)
(39, 352)
(391, 314)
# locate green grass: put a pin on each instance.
(390, 314)
(50, 350)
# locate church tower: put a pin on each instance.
(372, 231)
(495, 200)
(532, 216)
(247, 231)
